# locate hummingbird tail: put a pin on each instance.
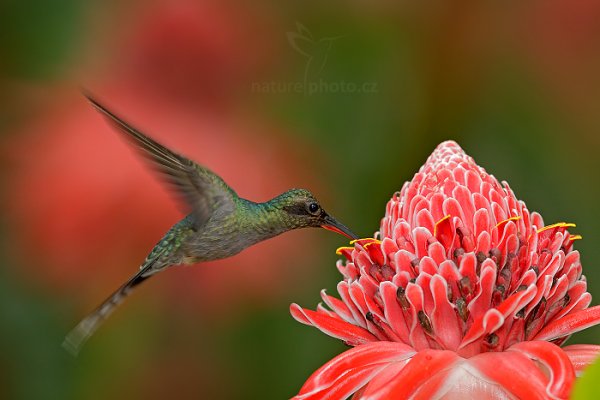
(87, 326)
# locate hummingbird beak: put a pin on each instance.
(331, 224)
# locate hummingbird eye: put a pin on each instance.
(313, 208)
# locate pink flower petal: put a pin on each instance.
(356, 366)
(514, 371)
(582, 355)
(570, 324)
(393, 311)
(343, 385)
(386, 375)
(337, 306)
(337, 328)
(483, 299)
(407, 380)
(491, 321)
(556, 362)
(444, 320)
(414, 294)
(493, 318)
(344, 291)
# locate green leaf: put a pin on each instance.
(587, 386)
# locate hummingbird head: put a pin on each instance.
(301, 210)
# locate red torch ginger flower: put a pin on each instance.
(466, 294)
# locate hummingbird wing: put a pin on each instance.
(202, 190)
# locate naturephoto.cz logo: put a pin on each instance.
(315, 52)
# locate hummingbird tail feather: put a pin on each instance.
(79, 335)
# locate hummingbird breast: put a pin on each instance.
(221, 238)
(225, 234)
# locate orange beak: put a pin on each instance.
(331, 224)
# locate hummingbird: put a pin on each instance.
(220, 223)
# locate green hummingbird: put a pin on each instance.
(220, 224)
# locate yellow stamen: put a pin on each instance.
(372, 239)
(506, 220)
(557, 225)
(339, 250)
(371, 243)
(575, 237)
(439, 222)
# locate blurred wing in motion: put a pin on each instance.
(202, 190)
